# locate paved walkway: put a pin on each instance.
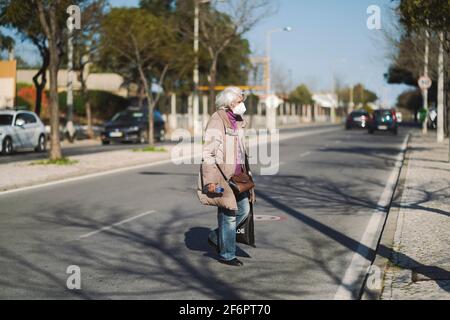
(420, 266)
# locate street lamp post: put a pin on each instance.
(270, 111)
(196, 77)
(268, 49)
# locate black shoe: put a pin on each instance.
(235, 262)
(213, 245)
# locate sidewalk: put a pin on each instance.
(24, 174)
(419, 267)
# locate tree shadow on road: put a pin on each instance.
(196, 240)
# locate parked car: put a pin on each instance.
(357, 119)
(21, 130)
(383, 120)
(132, 126)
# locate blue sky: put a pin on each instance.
(329, 37)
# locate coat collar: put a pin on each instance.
(223, 114)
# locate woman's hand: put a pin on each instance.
(211, 188)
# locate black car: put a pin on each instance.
(383, 120)
(357, 119)
(132, 126)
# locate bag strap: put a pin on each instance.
(223, 174)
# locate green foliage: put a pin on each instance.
(104, 104)
(360, 95)
(6, 42)
(20, 102)
(417, 14)
(57, 162)
(158, 7)
(150, 149)
(234, 64)
(78, 103)
(131, 37)
(301, 95)
(411, 99)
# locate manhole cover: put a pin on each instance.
(263, 217)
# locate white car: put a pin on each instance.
(21, 130)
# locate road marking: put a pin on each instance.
(359, 264)
(264, 217)
(84, 236)
(141, 166)
(89, 176)
(304, 154)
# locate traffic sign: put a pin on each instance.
(425, 82)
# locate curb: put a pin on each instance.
(386, 242)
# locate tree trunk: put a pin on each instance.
(142, 95)
(40, 85)
(55, 146)
(52, 34)
(212, 85)
(90, 131)
(151, 138)
(84, 73)
(39, 90)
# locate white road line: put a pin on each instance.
(89, 176)
(141, 166)
(304, 154)
(84, 236)
(360, 263)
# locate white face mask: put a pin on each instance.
(240, 109)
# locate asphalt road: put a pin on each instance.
(77, 150)
(142, 234)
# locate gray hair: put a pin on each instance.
(229, 95)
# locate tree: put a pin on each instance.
(86, 47)
(6, 43)
(21, 16)
(53, 25)
(418, 14)
(431, 15)
(158, 7)
(361, 95)
(301, 95)
(282, 80)
(411, 100)
(142, 44)
(220, 29)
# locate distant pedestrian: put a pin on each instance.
(224, 158)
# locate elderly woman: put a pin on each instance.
(224, 157)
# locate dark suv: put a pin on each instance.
(132, 126)
(383, 120)
(357, 119)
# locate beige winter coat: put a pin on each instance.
(220, 147)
